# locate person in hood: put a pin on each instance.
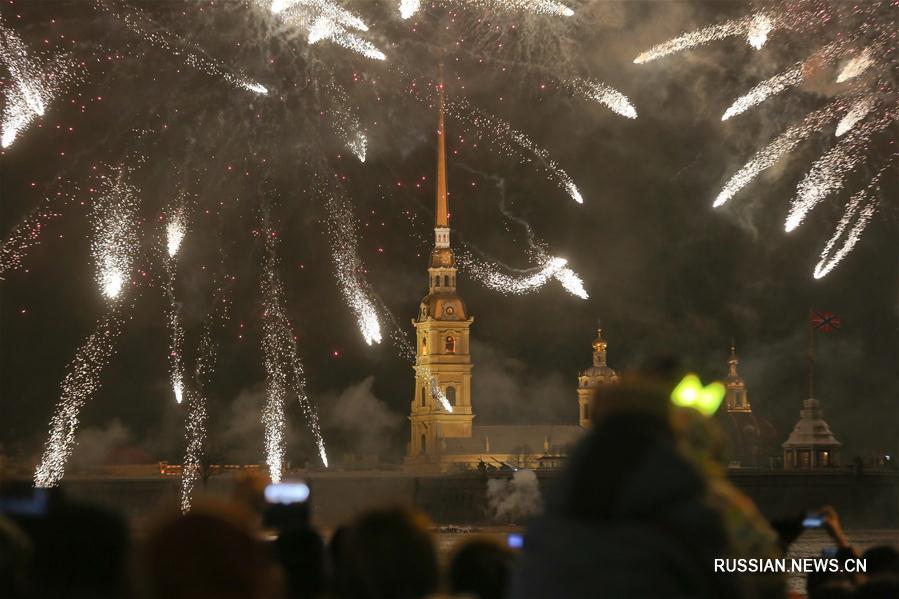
(631, 517)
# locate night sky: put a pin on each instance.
(665, 271)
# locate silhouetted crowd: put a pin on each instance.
(642, 510)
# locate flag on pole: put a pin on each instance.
(824, 321)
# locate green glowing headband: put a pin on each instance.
(690, 393)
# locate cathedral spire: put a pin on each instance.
(441, 225)
(736, 397)
(732, 363)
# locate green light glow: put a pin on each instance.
(690, 393)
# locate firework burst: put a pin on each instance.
(175, 230)
(82, 380)
(196, 415)
(863, 106)
(115, 241)
(348, 265)
(33, 86)
(284, 371)
(319, 46)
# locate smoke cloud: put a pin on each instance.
(515, 499)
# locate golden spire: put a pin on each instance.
(442, 220)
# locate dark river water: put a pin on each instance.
(810, 544)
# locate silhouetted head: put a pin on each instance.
(827, 585)
(80, 551)
(388, 554)
(882, 561)
(301, 553)
(878, 589)
(15, 561)
(480, 568)
(210, 552)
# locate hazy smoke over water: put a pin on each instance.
(514, 499)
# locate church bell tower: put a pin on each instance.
(591, 380)
(441, 404)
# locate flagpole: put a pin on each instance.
(811, 356)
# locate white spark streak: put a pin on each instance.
(196, 416)
(165, 41)
(409, 8)
(859, 211)
(115, 242)
(348, 265)
(774, 151)
(175, 231)
(283, 369)
(572, 283)
(82, 380)
(326, 20)
(759, 28)
(828, 173)
(856, 113)
(856, 66)
(492, 275)
(764, 90)
(606, 95)
(344, 120)
(755, 27)
(31, 88)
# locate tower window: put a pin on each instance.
(450, 345)
(424, 346)
(451, 395)
(446, 281)
(424, 444)
(424, 396)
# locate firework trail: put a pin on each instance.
(407, 352)
(284, 372)
(856, 113)
(792, 77)
(196, 416)
(115, 242)
(507, 280)
(769, 155)
(32, 87)
(348, 265)
(496, 277)
(409, 8)
(828, 173)
(168, 43)
(27, 233)
(764, 90)
(858, 213)
(856, 66)
(597, 91)
(756, 29)
(867, 34)
(325, 20)
(113, 246)
(344, 121)
(82, 380)
(502, 135)
(175, 230)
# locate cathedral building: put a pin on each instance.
(443, 434)
(589, 381)
(752, 440)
